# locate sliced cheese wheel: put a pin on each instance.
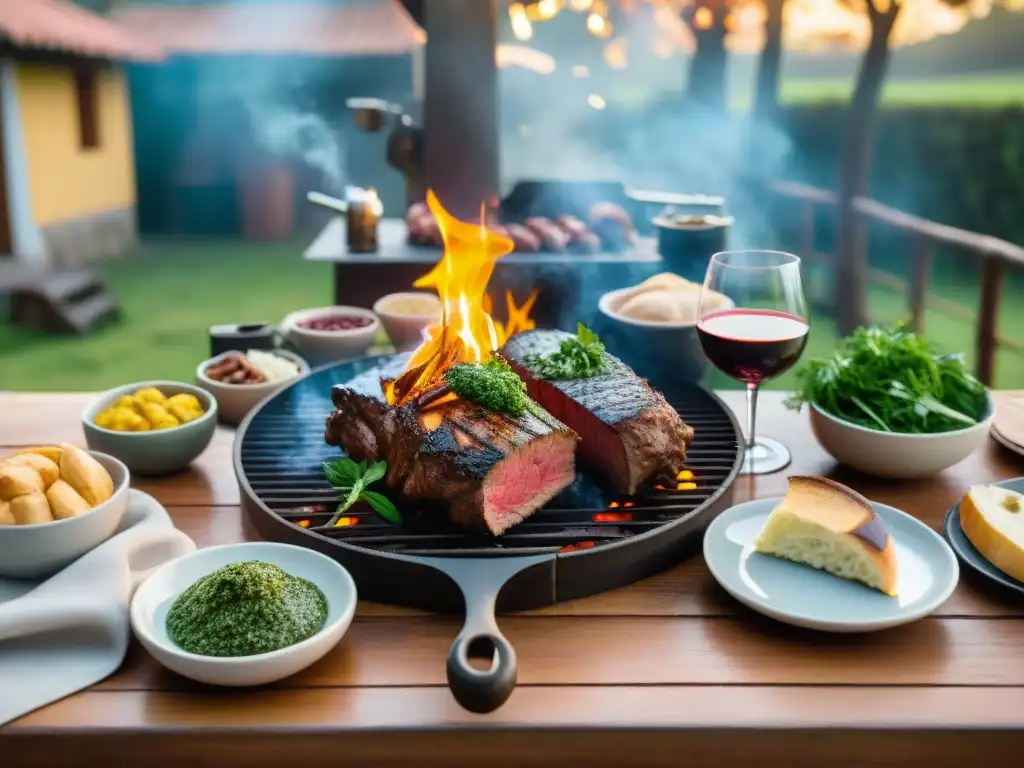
(993, 520)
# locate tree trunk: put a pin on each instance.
(766, 98)
(851, 274)
(706, 82)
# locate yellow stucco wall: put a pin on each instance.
(66, 181)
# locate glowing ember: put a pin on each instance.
(574, 547)
(613, 517)
(467, 332)
(346, 522)
(303, 523)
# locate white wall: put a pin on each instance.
(27, 243)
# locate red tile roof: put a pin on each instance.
(354, 28)
(62, 26)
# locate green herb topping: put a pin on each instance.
(493, 384)
(246, 608)
(577, 358)
(892, 380)
(351, 479)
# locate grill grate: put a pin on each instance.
(283, 446)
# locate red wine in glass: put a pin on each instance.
(753, 326)
(751, 345)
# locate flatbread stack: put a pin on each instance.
(664, 298)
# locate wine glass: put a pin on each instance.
(752, 323)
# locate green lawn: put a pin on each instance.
(172, 292)
(981, 89)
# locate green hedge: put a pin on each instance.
(958, 166)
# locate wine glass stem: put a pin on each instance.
(751, 414)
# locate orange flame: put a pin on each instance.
(467, 332)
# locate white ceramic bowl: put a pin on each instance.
(234, 401)
(41, 550)
(163, 450)
(406, 331)
(893, 454)
(322, 347)
(153, 600)
(661, 352)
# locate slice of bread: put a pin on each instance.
(833, 528)
(993, 520)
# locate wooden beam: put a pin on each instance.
(988, 314)
(919, 283)
(461, 107)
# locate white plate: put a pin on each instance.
(806, 597)
(154, 597)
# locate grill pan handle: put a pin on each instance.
(482, 691)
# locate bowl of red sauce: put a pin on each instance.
(331, 334)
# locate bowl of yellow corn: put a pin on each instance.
(154, 427)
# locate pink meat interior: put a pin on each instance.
(526, 479)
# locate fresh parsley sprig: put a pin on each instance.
(577, 358)
(351, 479)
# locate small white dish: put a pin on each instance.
(406, 330)
(322, 347)
(159, 451)
(806, 597)
(895, 454)
(41, 550)
(153, 600)
(234, 401)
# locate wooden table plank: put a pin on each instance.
(550, 725)
(640, 650)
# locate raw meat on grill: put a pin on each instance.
(580, 238)
(551, 235)
(489, 469)
(423, 229)
(612, 224)
(522, 238)
(628, 432)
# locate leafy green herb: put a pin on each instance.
(577, 358)
(350, 480)
(493, 384)
(892, 380)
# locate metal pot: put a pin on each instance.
(687, 242)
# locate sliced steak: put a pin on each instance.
(628, 432)
(491, 470)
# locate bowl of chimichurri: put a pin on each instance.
(243, 614)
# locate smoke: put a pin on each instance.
(642, 133)
(304, 136)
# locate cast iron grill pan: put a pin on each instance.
(583, 542)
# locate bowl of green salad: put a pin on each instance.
(888, 404)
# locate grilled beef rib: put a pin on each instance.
(490, 469)
(628, 432)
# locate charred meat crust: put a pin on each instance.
(652, 436)
(443, 456)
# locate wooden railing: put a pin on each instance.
(995, 255)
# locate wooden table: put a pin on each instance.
(670, 671)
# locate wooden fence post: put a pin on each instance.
(921, 277)
(988, 314)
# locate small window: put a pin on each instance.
(88, 109)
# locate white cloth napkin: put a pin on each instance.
(70, 631)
